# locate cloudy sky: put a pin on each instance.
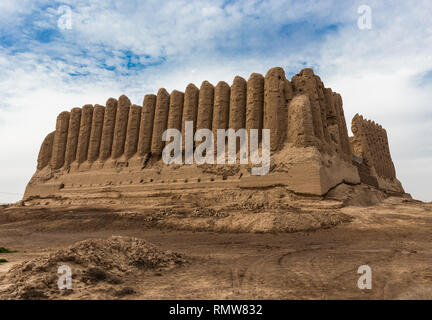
(49, 63)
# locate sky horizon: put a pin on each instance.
(56, 55)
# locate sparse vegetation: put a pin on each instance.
(5, 250)
(3, 260)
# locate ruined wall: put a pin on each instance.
(300, 128)
(132, 131)
(190, 109)
(305, 83)
(275, 115)
(370, 143)
(60, 139)
(314, 118)
(237, 109)
(255, 102)
(96, 133)
(221, 107)
(160, 121)
(146, 126)
(45, 152)
(175, 110)
(84, 133)
(120, 128)
(73, 134)
(330, 130)
(301, 113)
(205, 106)
(108, 129)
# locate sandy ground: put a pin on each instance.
(394, 238)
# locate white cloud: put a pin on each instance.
(374, 70)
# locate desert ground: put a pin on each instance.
(305, 248)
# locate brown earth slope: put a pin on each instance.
(267, 244)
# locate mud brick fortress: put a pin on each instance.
(114, 151)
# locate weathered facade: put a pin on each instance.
(115, 150)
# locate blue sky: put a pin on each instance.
(136, 47)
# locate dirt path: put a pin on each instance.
(394, 239)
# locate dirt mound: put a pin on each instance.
(266, 222)
(100, 266)
(361, 195)
(259, 210)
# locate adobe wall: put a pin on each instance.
(370, 143)
(99, 146)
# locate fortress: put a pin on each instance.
(113, 152)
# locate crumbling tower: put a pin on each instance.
(372, 154)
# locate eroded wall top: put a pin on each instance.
(121, 130)
(370, 142)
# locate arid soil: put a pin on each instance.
(206, 257)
